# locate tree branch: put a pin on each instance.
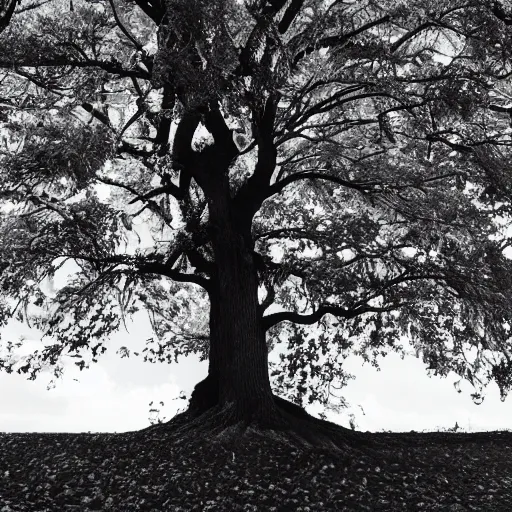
(175, 275)
(272, 7)
(222, 135)
(289, 316)
(123, 29)
(49, 205)
(154, 207)
(198, 261)
(113, 67)
(152, 8)
(289, 15)
(182, 152)
(269, 298)
(124, 147)
(413, 33)
(339, 98)
(6, 13)
(462, 148)
(32, 6)
(409, 35)
(332, 41)
(102, 117)
(253, 191)
(151, 267)
(498, 108)
(363, 187)
(169, 188)
(164, 126)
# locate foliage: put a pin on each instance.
(372, 148)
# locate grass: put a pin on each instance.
(153, 470)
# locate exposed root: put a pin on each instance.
(280, 421)
(288, 424)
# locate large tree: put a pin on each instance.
(331, 175)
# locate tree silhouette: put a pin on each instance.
(244, 170)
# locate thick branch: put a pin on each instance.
(253, 192)
(264, 14)
(6, 13)
(152, 8)
(222, 134)
(334, 41)
(296, 318)
(182, 152)
(112, 66)
(504, 110)
(269, 298)
(198, 261)
(164, 126)
(289, 15)
(498, 108)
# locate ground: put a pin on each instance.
(158, 470)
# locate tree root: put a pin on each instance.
(288, 424)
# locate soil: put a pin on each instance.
(170, 467)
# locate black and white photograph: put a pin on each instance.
(255, 255)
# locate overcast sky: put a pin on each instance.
(114, 394)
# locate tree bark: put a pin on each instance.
(238, 360)
(237, 391)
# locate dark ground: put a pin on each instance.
(153, 471)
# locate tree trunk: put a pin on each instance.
(237, 390)
(237, 393)
(238, 362)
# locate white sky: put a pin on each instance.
(114, 394)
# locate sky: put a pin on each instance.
(114, 394)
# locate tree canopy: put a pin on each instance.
(362, 149)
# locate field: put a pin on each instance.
(152, 470)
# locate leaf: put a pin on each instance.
(123, 352)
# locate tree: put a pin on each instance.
(283, 164)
